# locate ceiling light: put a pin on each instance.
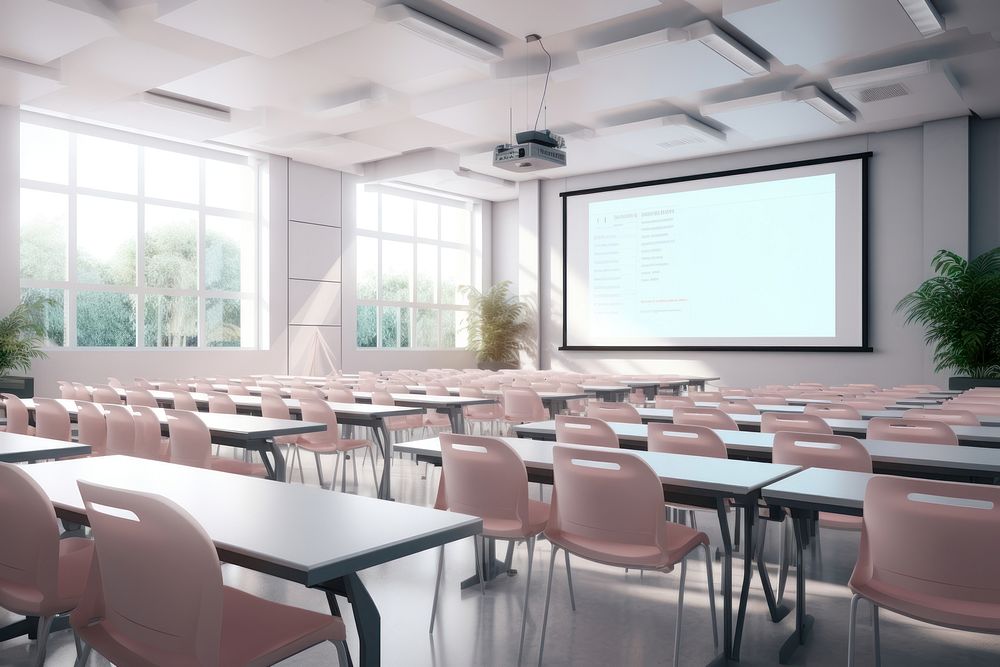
(815, 98)
(925, 16)
(440, 33)
(676, 126)
(726, 46)
(185, 104)
(631, 44)
(345, 102)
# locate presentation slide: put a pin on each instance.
(763, 259)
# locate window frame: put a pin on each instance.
(72, 286)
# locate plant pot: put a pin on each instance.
(964, 383)
(22, 387)
(496, 365)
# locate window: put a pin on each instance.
(414, 252)
(137, 242)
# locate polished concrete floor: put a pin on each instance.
(621, 618)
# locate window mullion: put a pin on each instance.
(201, 286)
(140, 256)
(69, 309)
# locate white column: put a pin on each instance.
(528, 259)
(10, 209)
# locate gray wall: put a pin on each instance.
(984, 191)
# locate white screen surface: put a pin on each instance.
(770, 258)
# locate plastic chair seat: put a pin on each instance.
(840, 521)
(538, 516)
(959, 614)
(681, 540)
(75, 554)
(237, 466)
(437, 419)
(342, 445)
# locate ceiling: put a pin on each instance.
(343, 84)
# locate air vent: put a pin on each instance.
(681, 141)
(881, 93)
(183, 103)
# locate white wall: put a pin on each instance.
(984, 202)
(505, 236)
(10, 208)
(901, 221)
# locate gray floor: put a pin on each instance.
(621, 618)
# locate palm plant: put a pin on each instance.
(497, 325)
(960, 308)
(22, 335)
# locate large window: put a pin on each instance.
(137, 242)
(414, 253)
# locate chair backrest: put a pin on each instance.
(316, 410)
(221, 403)
(613, 412)
(935, 539)
(142, 383)
(148, 434)
(190, 439)
(969, 397)
(545, 386)
(767, 399)
(51, 420)
(919, 387)
(183, 400)
(17, 414)
(708, 417)
(106, 394)
(115, 382)
(685, 439)
(81, 393)
(203, 387)
(867, 403)
(307, 392)
(92, 427)
(121, 430)
(339, 395)
(924, 431)
(832, 411)
(273, 407)
(706, 396)
(66, 389)
(738, 408)
(821, 450)
(29, 537)
(237, 390)
(523, 404)
(270, 391)
(773, 422)
(668, 402)
(948, 416)
(483, 477)
(140, 397)
(165, 604)
(588, 431)
(606, 496)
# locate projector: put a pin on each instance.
(534, 150)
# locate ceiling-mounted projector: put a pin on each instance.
(534, 150)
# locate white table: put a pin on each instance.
(253, 433)
(334, 536)
(692, 480)
(450, 405)
(17, 448)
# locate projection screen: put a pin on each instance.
(768, 258)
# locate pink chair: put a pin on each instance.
(313, 393)
(149, 440)
(66, 390)
(948, 416)
(522, 405)
(765, 399)
(575, 406)
(946, 576)
(925, 431)
(140, 397)
(832, 411)
(405, 424)
(92, 428)
(668, 402)
(340, 395)
(328, 443)
(220, 403)
(17, 415)
(613, 412)
(984, 409)
(237, 390)
(685, 439)
(434, 419)
(708, 417)
(52, 420)
(121, 430)
(485, 477)
(588, 431)
(146, 605)
(866, 403)
(487, 414)
(774, 422)
(106, 394)
(191, 445)
(81, 393)
(923, 388)
(41, 575)
(183, 400)
(706, 396)
(607, 507)
(738, 408)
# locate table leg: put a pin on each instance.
(727, 584)
(491, 566)
(803, 622)
(366, 616)
(749, 513)
(384, 443)
(650, 393)
(456, 419)
(28, 627)
(277, 470)
(777, 611)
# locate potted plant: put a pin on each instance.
(497, 325)
(960, 308)
(21, 338)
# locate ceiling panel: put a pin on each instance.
(39, 31)
(771, 116)
(408, 135)
(811, 32)
(267, 28)
(978, 73)
(549, 17)
(19, 84)
(918, 89)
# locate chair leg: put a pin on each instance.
(437, 588)
(548, 595)
(319, 467)
(44, 625)
(694, 521)
(83, 656)
(851, 630)
(875, 633)
(374, 474)
(343, 657)
(711, 594)
(680, 612)
(479, 563)
(354, 460)
(783, 559)
(336, 467)
(343, 474)
(569, 580)
(527, 587)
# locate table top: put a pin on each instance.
(820, 488)
(697, 474)
(423, 400)
(311, 535)
(17, 448)
(667, 414)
